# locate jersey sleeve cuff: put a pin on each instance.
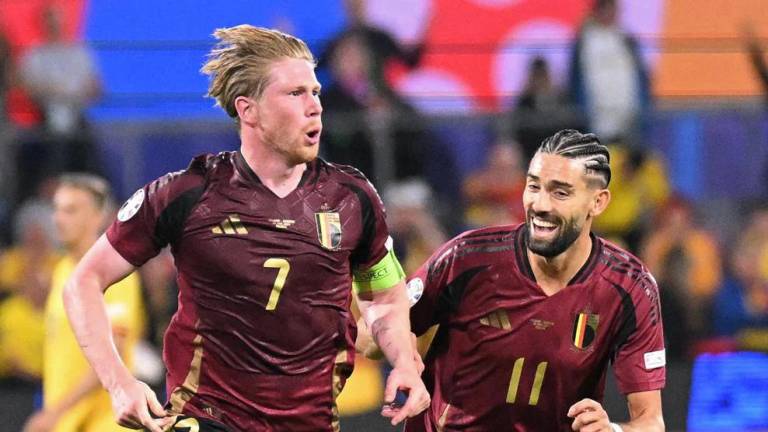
(124, 252)
(641, 386)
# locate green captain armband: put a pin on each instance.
(383, 275)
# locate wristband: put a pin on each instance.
(616, 428)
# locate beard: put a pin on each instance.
(292, 149)
(568, 232)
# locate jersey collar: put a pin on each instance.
(524, 263)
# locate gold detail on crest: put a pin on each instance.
(282, 223)
(230, 225)
(498, 319)
(328, 229)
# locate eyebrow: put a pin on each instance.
(556, 183)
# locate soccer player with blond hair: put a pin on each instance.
(269, 242)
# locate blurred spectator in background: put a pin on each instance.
(61, 77)
(757, 57)
(494, 194)
(34, 247)
(380, 46)
(686, 261)
(608, 79)
(25, 274)
(412, 223)
(73, 397)
(7, 162)
(639, 186)
(158, 277)
(369, 127)
(542, 110)
(741, 306)
(5, 77)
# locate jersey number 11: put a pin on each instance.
(514, 382)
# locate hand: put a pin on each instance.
(41, 421)
(132, 403)
(416, 356)
(408, 381)
(589, 416)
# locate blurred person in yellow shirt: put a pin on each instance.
(638, 187)
(73, 400)
(686, 260)
(25, 277)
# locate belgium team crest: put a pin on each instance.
(328, 230)
(585, 329)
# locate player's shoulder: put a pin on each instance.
(346, 176)
(626, 271)
(475, 246)
(342, 173)
(493, 233)
(195, 174)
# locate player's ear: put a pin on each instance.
(600, 201)
(247, 110)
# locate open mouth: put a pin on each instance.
(313, 135)
(543, 227)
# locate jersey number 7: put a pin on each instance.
(283, 267)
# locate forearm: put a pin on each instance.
(649, 424)
(84, 303)
(386, 315)
(645, 412)
(391, 333)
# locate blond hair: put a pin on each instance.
(239, 64)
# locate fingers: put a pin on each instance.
(583, 405)
(416, 356)
(166, 423)
(589, 416)
(418, 398)
(417, 402)
(419, 362)
(390, 391)
(134, 412)
(148, 422)
(154, 405)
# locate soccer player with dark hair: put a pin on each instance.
(530, 316)
(268, 243)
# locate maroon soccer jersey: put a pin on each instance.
(507, 357)
(263, 338)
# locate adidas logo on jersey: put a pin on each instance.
(230, 225)
(498, 319)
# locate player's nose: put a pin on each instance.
(314, 107)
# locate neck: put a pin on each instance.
(274, 171)
(553, 274)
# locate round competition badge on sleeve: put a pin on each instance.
(131, 207)
(415, 289)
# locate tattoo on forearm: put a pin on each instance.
(378, 329)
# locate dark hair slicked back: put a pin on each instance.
(573, 144)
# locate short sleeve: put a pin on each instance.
(425, 288)
(640, 363)
(154, 215)
(373, 243)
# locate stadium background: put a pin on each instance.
(708, 124)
